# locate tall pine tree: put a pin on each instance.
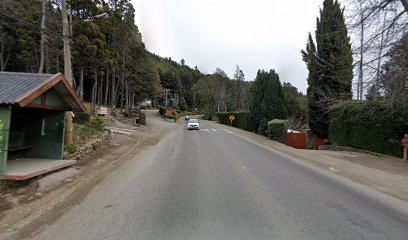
(329, 62)
(267, 101)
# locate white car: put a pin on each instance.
(193, 124)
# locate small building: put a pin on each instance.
(32, 123)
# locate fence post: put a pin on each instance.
(406, 148)
(309, 139)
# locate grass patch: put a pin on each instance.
(83, 133)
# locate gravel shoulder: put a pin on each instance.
(381, 173)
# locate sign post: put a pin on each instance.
(404, 143)
(231, 118)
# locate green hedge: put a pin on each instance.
(82, 117)
(372, 126)
(241, 119)
(277, 130)
(162, 110)
(142, 118)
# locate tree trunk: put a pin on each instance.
(122, 79)
(100, 92)
(94, 92)
(105, 102)
(379, 60)
(360, 74)
(47, 59)
(43, 28)
(113, 89)
(81, 84)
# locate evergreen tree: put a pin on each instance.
(394, 80)
(267, 100)
(330, 66)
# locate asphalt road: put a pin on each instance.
(211, 184)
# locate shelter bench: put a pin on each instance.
(19, 148)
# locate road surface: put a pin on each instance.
(212, 184)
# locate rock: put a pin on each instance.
(99, 161)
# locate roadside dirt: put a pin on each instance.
(385, 174)
(23, 209)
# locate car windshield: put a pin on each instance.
(193, 121)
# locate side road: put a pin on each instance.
(23, 208)
(385, 174)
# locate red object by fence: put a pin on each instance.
(317, 142)
(296, 140)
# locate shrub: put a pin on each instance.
(96, 123)
(169, 116)
(82, 117)
(263, 127)
(71, 148)
(372, 126)
(162, 110)
(241, 119)
(142, 118)
(277, 130)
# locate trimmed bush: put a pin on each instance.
(372, 126)
(277, 130)
(142, 118)
(82, 117)
(241, 119)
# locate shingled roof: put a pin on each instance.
(21, 88)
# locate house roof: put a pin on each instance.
(20, 89)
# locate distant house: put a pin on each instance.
(32, 122)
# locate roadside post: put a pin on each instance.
(404, 143)
(231, 118)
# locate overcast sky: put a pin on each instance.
(255, 34)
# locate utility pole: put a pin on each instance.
(67, 69)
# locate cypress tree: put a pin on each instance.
(329, 62)
(267, 101)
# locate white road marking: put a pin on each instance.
(214, 130)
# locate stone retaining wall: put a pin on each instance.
(103, 138)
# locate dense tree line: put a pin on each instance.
(111, 65)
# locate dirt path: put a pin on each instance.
(23, 209)
(385, 174)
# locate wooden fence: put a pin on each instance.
(298, 140)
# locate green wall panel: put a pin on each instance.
(5, 115)
(3, 161)
(52, 99)
(45, 141)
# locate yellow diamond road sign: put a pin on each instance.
(232, 118)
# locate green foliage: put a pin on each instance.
(142, 118)
(394, 79)
(277, 130)
(71, 148)
(267, 101)
(82, 117)
(162, 110)
(295, 102)
(182, 104)
(85, 132)
(373, 126)
(169, 116)
(329, 62)
(241, 119)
